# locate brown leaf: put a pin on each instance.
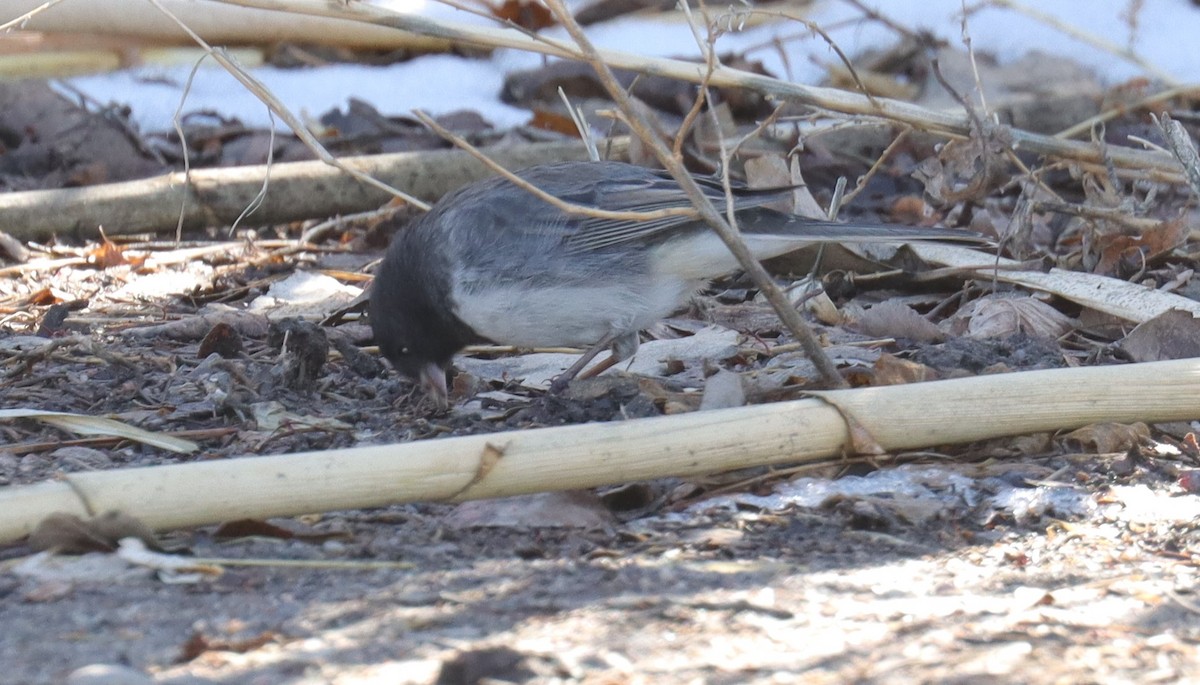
(524, 13)
(1123, 255)
(1174, 334)
(894, 319)
(246, 528)
(198, 644)
(999, 316)
(43, 297)
(891, 370)
(553, 121)
(69, 534)
(1108, 437)
(222, 339)
(106, 254)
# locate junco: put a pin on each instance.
(492, 261)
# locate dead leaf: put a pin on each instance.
(546, 120)
(524, 13)
(222, 339)
(105, 255)
(1000, 316)
(1174, 334)
(69, 534)
(198, 644)
(570, 509)
(896, 320)
(1104, 438)
(43, 297)
(891, 370)
(1122, 256)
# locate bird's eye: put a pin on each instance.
(404, 350)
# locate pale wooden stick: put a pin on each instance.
(299, 190)
(225, 25)
(903, 417)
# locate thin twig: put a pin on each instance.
(268, 98)
(177, 123)
(644, 130)
(15, 23)
(863, 180)
(542, 195)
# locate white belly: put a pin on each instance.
(568, 316)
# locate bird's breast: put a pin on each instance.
(568, 315)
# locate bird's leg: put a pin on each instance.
(600, 367)
(560, 381)
(623, 346)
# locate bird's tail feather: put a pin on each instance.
(832, 231)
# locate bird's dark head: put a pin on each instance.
(412, 313)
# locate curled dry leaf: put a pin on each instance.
(569, 509)
(999, 316)
(1108, 437)
(106, 254)
(1123, 255)
(967, 170)
(891, 370)
(69, 534)
(896, 320)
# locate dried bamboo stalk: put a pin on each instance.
(500, 464)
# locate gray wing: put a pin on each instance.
(624, 188)
(615, 186)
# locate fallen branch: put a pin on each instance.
(216, 197)
(904, 417)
